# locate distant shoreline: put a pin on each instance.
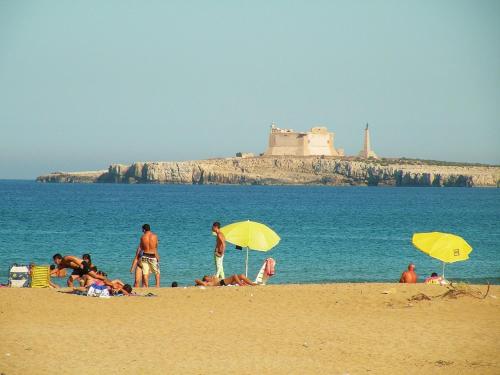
(296, 170)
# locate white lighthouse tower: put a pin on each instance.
(367, 151)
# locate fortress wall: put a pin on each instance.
(320, 144)
(286, 144)
(317, 142)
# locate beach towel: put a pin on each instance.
(95, 293)
(266, 271)
(40, 276)
(19, 276)
(270, 264)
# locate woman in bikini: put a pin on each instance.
(213, 280)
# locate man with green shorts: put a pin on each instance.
(220, 248)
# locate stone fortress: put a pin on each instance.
(316, 142)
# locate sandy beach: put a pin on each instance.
(276, 329)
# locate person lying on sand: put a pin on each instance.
(435, 279)
(88, 280)
(79, 267)
(114, 287)
(213, 280)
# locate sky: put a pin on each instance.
(84, 84)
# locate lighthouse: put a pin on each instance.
(367, 151)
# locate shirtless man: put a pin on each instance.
(220, 248)
(149, 260)
(410, 276)
(213, 280)
(82, 268)
(77, 274)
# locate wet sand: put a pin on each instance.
(276, 329)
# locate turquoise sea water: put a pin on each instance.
(329, 234)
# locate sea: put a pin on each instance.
(328, 234)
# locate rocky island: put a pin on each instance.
(295, 158)
(291, 170)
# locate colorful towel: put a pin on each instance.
(270, 267)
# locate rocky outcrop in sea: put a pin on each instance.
(289, 171)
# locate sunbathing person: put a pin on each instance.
(213, 280)
(88, 280)
(114, 287)
(435, 279)
(79, 267)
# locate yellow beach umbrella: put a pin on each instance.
(445, 247)
(252, 235)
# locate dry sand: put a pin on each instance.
(278, 329)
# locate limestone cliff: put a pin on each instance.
(288, 171)
(72, 177)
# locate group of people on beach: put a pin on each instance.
(410, 277)
(145, 262)
(87, 274)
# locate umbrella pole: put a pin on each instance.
(246, 265)
(443, 269)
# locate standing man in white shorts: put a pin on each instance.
(149, 258)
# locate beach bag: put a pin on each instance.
(19, 276)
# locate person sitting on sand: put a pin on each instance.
(410, 276)
(56, 272)
(213, 280)
(435, 279)
(79, 267)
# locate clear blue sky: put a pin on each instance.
(87, 83)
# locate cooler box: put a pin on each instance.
(19, 276)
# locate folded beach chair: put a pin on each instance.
(19, 276)
(40, 276)
(266, 271)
